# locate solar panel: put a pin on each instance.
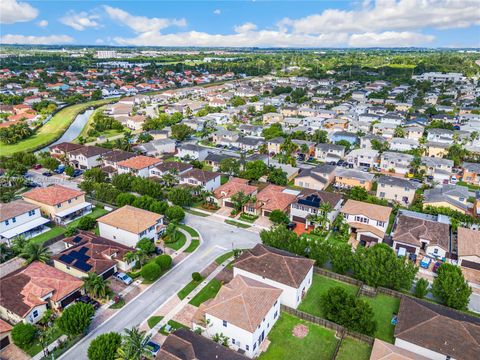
(66, 258)
(83, 250)
(82, 266)
(311, 200)
(77, 239)
(79, 256)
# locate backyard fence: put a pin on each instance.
(391, 292)
(53, 240)
(336, 276)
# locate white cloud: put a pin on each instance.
(142, 24)
(42, 23)
(217, 11)
(80, 21)
(389, 39)
(35, 40)
(247, 27)
(12, 11)
(390, 15)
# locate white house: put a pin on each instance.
(21, 218)
(208, 180)
(244, 311)
(396, 162)
(138, 165)
(309, 203)
(128, 224)
(193, 152)
(87, 157)
(362, 157)
(401, 144)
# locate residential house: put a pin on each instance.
(270, 118)
(21, 218)
(192, 152)
(468, 251)
(439, 169)
(454, 197)
(455, 335)
(26, 294)
(86, 252)
(208, 180)
(135, 122)
(157, 147)
(471, 173)
(413, 132)
(317, 178)
(416, 232)
(352, 138)
(362, 157)
(170, 167)
(87, 157)
(403, 144)
(385, 351)
(329, 152)
(184, 344)
(223, 194)
(138, 165)
(111, 160)
(244, 310)
(251, 130)
(367, 221)
(366, 141)
(437, 149)
(396, 189)
(127, 225)
(440, 135)
(272, 197)
(396, 163)
(277, 268)
(309, 204)
(59, 203)
(5, 334)
(250, 143)
(348, 178)
(274, 145)
(62, 150)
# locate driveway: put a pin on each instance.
(217, 239)
(36, 176)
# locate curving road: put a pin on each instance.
(217, 239)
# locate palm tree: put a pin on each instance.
(35, 252)
(129, 257)
(134, 345)
(95, 285)
(5, 253)
(19, 243)
(324, 210)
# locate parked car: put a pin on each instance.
(32, 184)
(88, 300)
(37, 166)
(47, 173)
(77, 173)
(436, 266)
(291, 226)
(153, 347)
(425, 263)
(60, 169)
(127, 280)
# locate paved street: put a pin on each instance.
(217, 239)
(36, 176)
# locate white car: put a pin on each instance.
(123, 278)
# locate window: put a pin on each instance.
(254, 346)
(31, 213)
(275, 303)
(14, 220)
(382, 194)
(35, 313)
(59, 205)
(225, 323)
(435, 251)
(247, 347)
(380, 223)
(6, 222)
(70, 201)
(233, 341)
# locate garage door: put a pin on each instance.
(4, 342)
(108, 273)
(410, 249)
(368, 238)
(266, 213)
(299, 219)
(70, 298)
(471, 264)
(228, 204)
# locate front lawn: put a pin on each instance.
(353, 349)
(37, 347)
(193, 246)
(175, 326)
(177, 245)
(182, 294)
(384, 307)
(208, 292)
(193, 233)
(319, 343)
(219, 260)
(154, 320)
(320, 285)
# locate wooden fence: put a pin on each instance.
(336, 276)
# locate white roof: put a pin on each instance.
(73, 209)
(20, 229)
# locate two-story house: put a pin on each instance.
(192, 152)
(309, 204)
(394, 162)
(396, 189)
(317, 178)
(138, 165)
(87, 157)
(207, 180)
(223, 194)
(348, 178)
(454, 197)
(471, 173)
(362, 157)
(439, 169)
(329, 152)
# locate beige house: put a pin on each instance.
(396, 189)
(59, 203)
(469, 253)
(317, 178)
(270, 118)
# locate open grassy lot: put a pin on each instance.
(52, 130)
(384, 307)
(319, 344)
(208, 292)
(320, 285)
(353, 349)
(181, 239)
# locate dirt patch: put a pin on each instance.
(300, 331)
(225, 276)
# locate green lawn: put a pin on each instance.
(154, 320)
(223, 257)
(96, 213)
(319, 344)
(181, 239)
(118, 305)
(193, 233)
(52, 130)
(197, 213)
(336, 238)
(175, 326)
(208, 292)
(353, 349)
(88, 125)
(55, 231)
(182, 294)
(320, 285)
(384, 307)
(237, 224)
(37, 347)
(193, 246)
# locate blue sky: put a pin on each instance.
(368, 23)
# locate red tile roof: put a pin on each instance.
(52, 195)
(139, 162)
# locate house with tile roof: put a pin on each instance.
(86, 252)
(309, 204)
(208, 180)
(368, 221)
(291, 273)
(59, 203)
(27, 293)
(128, 224)
(224, 193)
(5, 331)
(272, 197)
(244, 310)
(456, 334)
(468, 251)
(385, 351)
(138, 165)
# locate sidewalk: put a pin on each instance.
(171, 314)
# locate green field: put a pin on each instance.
(353, 349)
(193, 246)
(52, 130)
(88, 125)
(319, 344)
(384, 307)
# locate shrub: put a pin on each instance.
(421, 288)
(71, 230)
(87, 223)
(159, 207)
(146, 245)
(164, 261)
(123, 199)
(23, 334)
(279, 217)
(197, 277)
(175, 213)
(104, 347)
(151, 271)
(76, 319)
